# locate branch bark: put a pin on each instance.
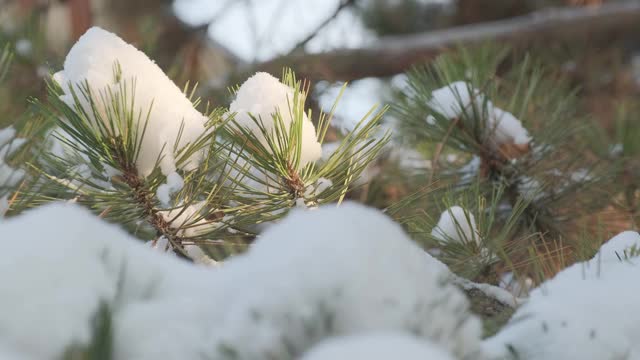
(393, 55)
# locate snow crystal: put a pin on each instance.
(378, 346)
(262, 96)
(174, 183)
(93, 59)
(336, 271)
(456, 224)
(585, 312)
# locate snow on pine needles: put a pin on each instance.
(111, 68)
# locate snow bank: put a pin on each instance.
(338, 271)
(378, 346)
(94, 57)
(460, 98)
(262, 96)
(586, 312)
(457, 224)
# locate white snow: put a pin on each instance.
(329, 272)
(199, 256)
(334, 272)
(618, 247)
(586, 311)
(455, 99)
(456, 224)
(460, 98)
(174, 184)
(377, 346)
(93, 59)
(506, 128)
(188, 219)
(262, 96)
(9, 176)
(62, 263)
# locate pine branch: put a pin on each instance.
(393, 55)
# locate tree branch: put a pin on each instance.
(393, 55)
(343, 4)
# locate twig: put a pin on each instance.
(300, 45)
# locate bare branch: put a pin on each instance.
(343, 4)
(392, 55)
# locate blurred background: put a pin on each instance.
(218, 42)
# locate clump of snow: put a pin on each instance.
(585, 312)
(506, 128)
(172, 117)
(174, 183)
(459, 98)
(63, 263)
(457, 224)
(198, 256)
(455, 99)
(262, 96)
(377, 346)
(338, 271)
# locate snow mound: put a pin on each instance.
(338, 271)
(63, 263)
(378, 346)
(262, 96)
(456, 224)
(585, 312)
(93, 59)
(319, 274)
